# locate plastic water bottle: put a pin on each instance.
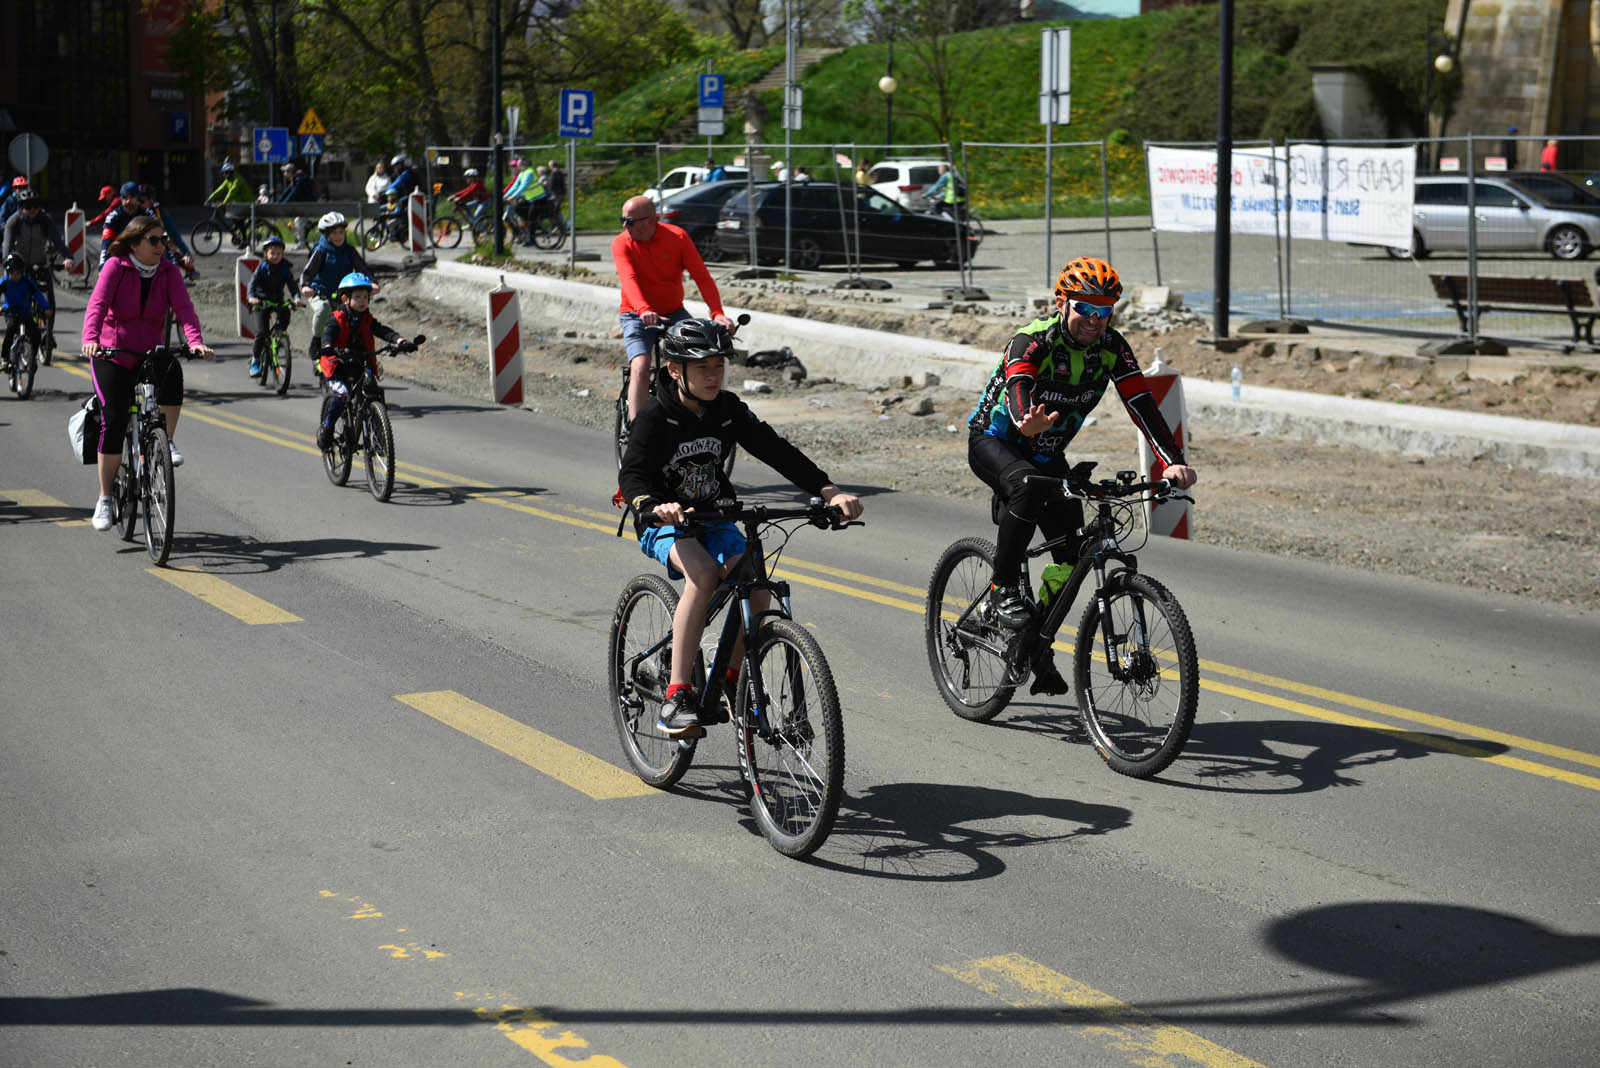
(1237, 378)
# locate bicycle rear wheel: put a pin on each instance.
(639, 666)
(23, 365)
(792, 745)
(262, 230)
(280, 352)
(1137, 675)
(379, 437)
(159, 494)
(967, 649)
(549, 234)
(620, 424)
(445, 232)
(337, 456)
(206, 237)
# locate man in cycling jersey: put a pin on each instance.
(650, 257)
(231, 189)
(1050, 377)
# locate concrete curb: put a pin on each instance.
(869, 357)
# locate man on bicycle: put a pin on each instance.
(650, 257)
(674, 464)
(351, 327)
(31, 234)
(1049, 379)
(273, 281)
(231, 190)
(331, 260)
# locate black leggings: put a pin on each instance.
(264, 327)
(1003, 467)
(113, 384)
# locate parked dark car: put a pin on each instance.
(825, 215)
(1557, 189)
(697, 210)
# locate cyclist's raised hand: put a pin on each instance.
(1036, 420)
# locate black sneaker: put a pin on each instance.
(679, 717)
(1047, 680)
(1010, 607)
(324, 439)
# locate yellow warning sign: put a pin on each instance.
(311, 124)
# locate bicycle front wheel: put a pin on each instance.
(549, 234)
(206, 237)
(966, 647)
(639, 666)
(281, 355)
(125, 488)
(379, 436)
(445, 232)
(23, 365)
(791, 738)
(160, 496)
(1137, 674)
(336, 457)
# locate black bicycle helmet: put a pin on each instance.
(26, 195)
(696, 339)
(13, 263)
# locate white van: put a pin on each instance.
(682, 177)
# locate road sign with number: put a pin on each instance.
(311, 124)
(272, 144)
(311, 144)
(577, 113)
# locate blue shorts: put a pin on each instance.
(640, 339)
(722, 540)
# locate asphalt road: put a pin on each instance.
(339, 787)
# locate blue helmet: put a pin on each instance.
(273, 240)
(354, 280)
(130, 189)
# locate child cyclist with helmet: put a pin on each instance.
(331, 259)
(18, 295)
(273, 281)
(673, 465)
(351, 326)
(1050, 377)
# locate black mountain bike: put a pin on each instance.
(278, 358)
(363, 425)
(144, 485)
(622, 426)
(787, 726)
(206, 237)
(22, 355)
(1134, 664)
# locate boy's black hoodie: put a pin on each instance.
(675, 455)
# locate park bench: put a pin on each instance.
(1570, 295)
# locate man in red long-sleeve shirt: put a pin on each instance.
(650, 257)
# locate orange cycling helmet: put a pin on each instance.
(1089, 280)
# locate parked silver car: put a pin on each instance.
(1509, 219)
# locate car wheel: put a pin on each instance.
(807, 253)
(705, 242)
(1567, 243)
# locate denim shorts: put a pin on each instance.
(640, 339)
(722, 540)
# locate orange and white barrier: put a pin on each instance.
(418, 241)
(1171, 518)
(244, 315)
(77, 249)
(505, 345)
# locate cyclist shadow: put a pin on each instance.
(236, 554)
(417, 495)
(1301, 756)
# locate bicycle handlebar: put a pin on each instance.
(389, 349)
(159, 350)
(1108, 487)
(816, 512)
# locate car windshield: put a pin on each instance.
(880, 203)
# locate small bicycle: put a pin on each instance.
(144, 485)
(22, 357)
(278, 359)
(1135, 668)
(363, 426)
(788, 730)
(622, 426)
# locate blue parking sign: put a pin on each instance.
(271, 144)
(711, 90)
(577, 113)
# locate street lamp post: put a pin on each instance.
(1438, 58)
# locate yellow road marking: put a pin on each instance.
(1133, 1033)
(541, 752)
(36, 501)
(218, 593)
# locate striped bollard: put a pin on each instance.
(419, 221)
(78, 272)
(505, 345)
(244, 315)
(1171, 518)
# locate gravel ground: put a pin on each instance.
(1470, 523)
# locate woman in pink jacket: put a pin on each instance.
(128, 310)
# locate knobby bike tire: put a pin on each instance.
(445, 232)
(281, 353)
(337, 456)
(158, 492)
(23, 365)
(969, 663)
(378, 434)
(1138, 706)
(792, 748)
(206, 237)
(643, 617)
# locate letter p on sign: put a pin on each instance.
(577, 113)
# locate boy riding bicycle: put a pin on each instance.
(273, 282)
(18, 296)
(351, 327)
(674, 465)
(1051, 376)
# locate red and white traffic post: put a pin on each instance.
(1171, 518)
(418, 215)
(243, 314)
(505, 345)
(77, 248)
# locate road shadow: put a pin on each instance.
(415, 495)
(784, 494)
(239, 554)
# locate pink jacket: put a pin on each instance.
(116, 319)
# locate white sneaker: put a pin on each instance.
(102, 514)
(177, 457)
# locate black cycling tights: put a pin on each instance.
(1004, 467)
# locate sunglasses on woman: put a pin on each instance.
(156, 239)
(1093, 311)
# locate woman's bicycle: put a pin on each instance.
(144, 485)
(278, 359)
(362, 426)
(622, 426)
(206, 237)
(788, 730)
(1135, 669)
